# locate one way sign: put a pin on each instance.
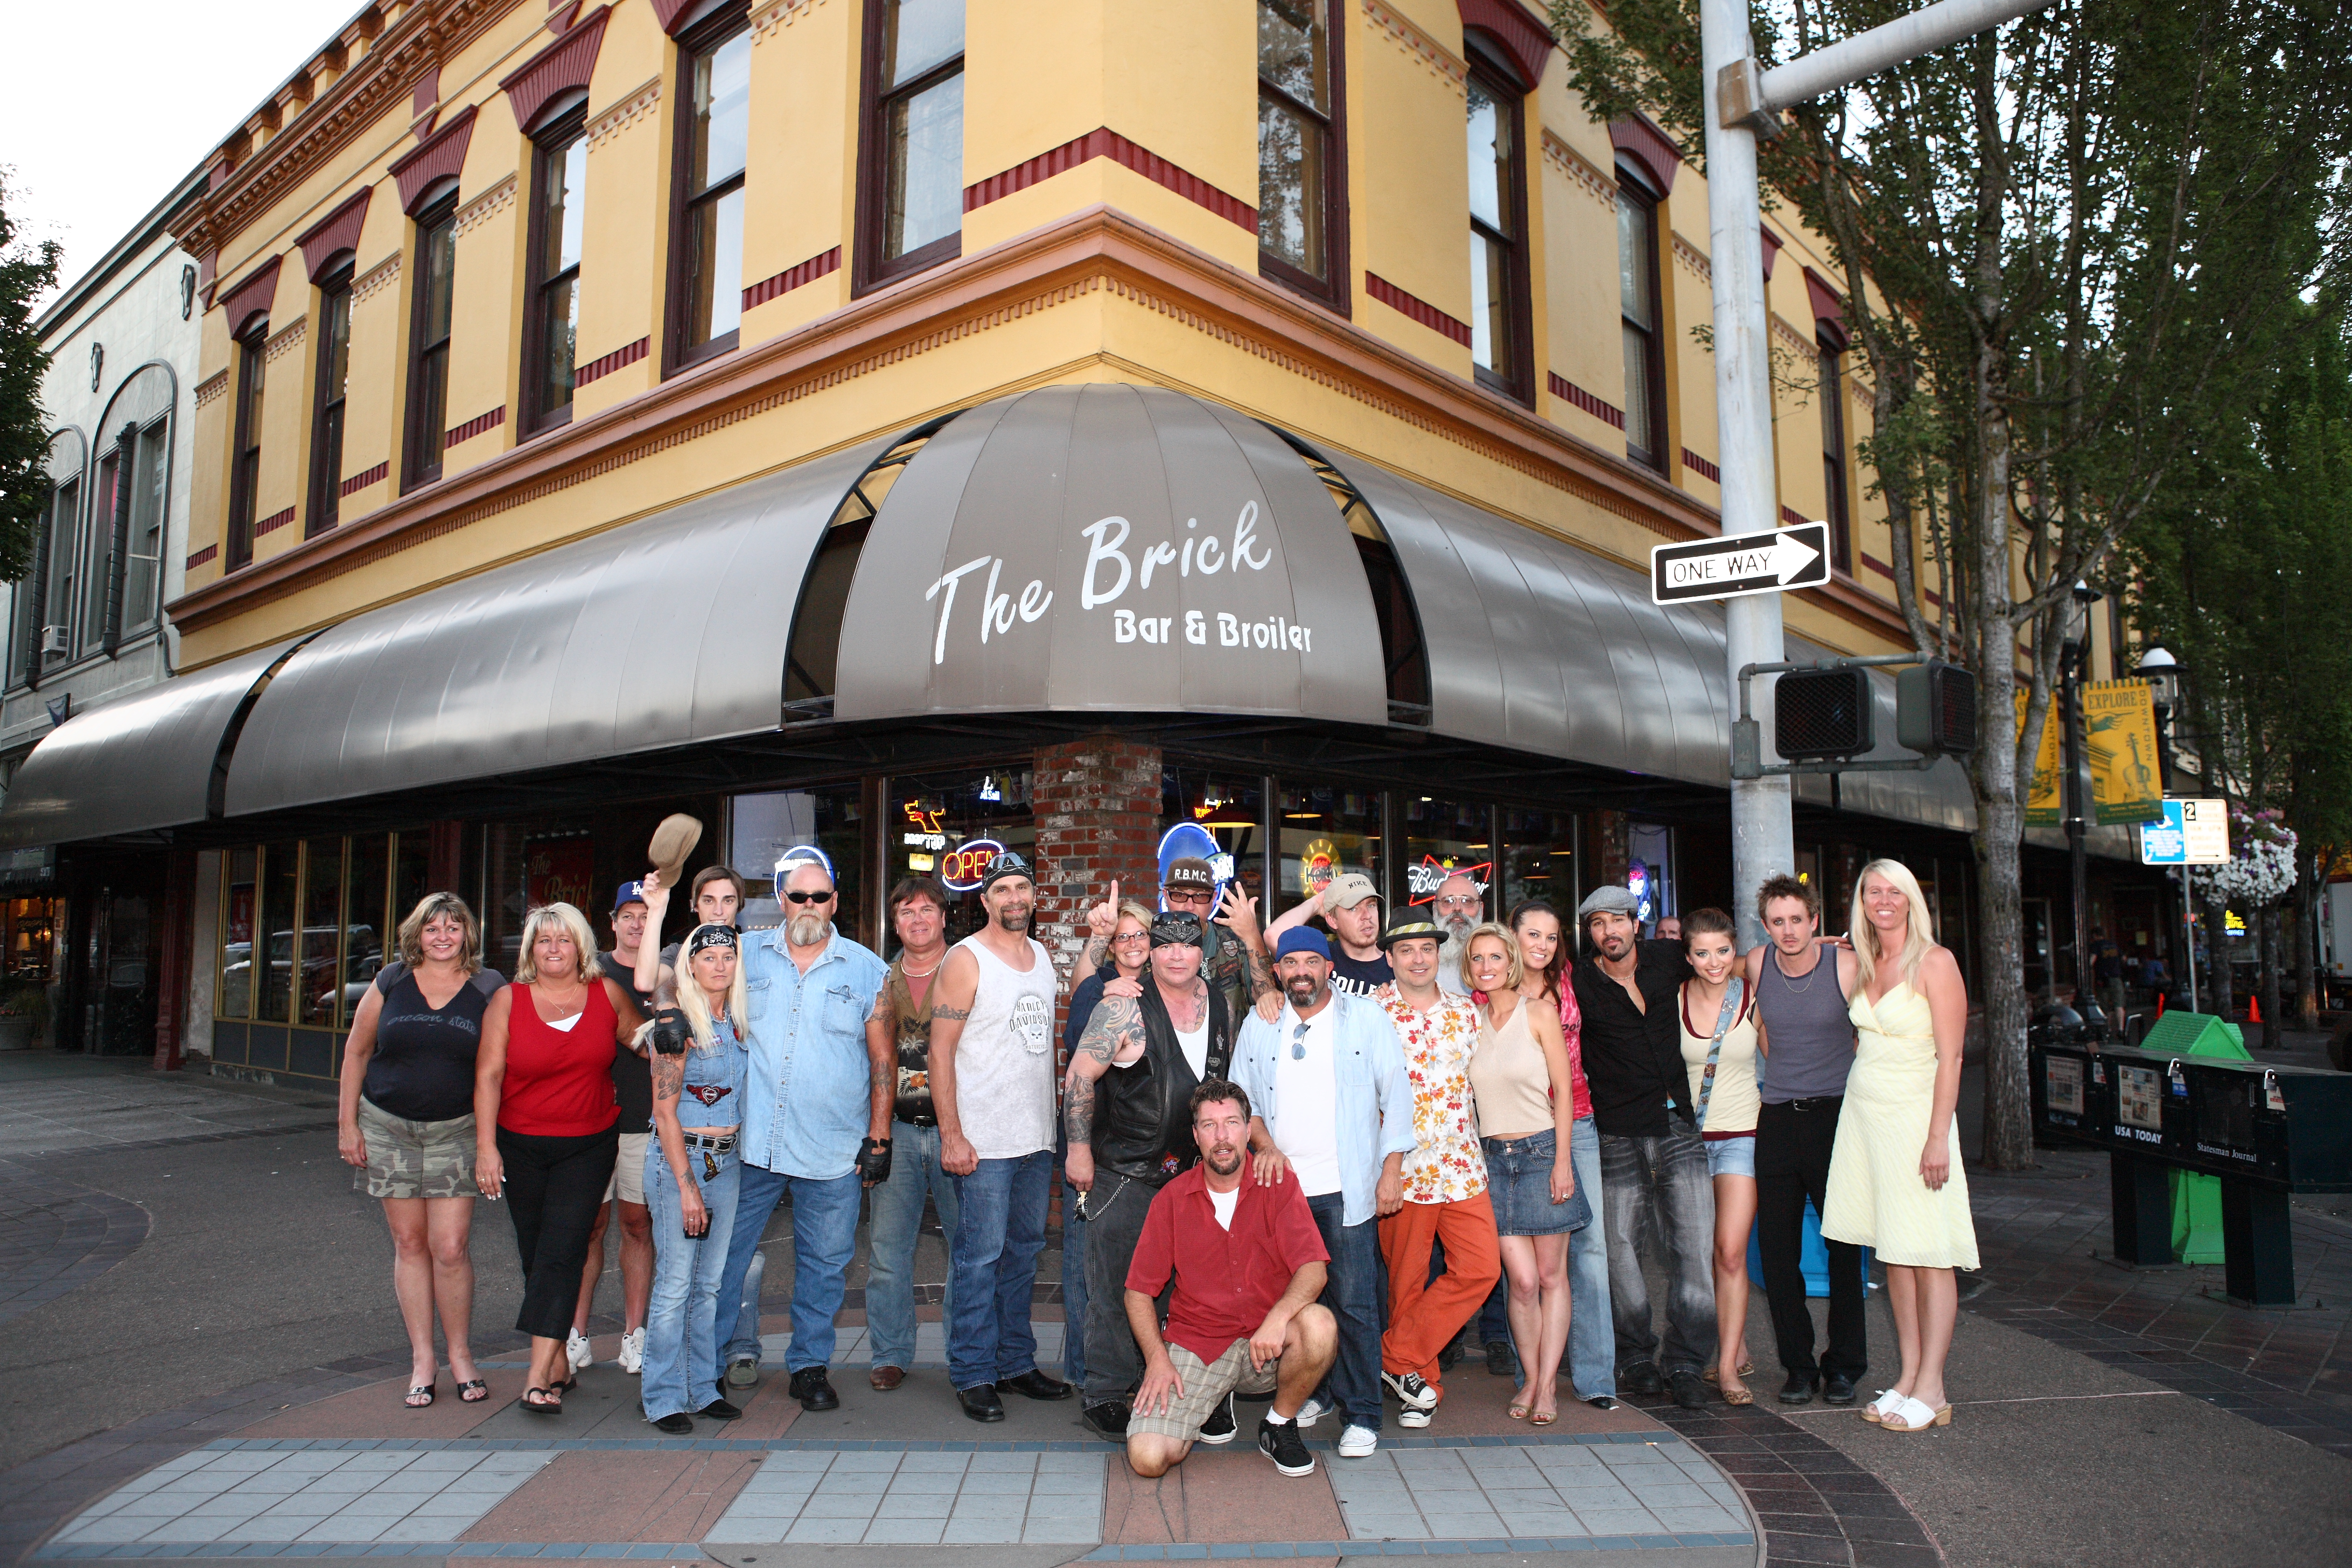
(1738, 563)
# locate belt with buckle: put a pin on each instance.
(717, 1144)
(1817, 1102)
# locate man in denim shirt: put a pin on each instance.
(1328, 1077)
(822, 1069)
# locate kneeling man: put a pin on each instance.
(1248, 1264)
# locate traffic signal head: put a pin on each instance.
(1936, 709)
(1822, 713)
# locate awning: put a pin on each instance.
(1125, 549)
(138, 764)
(1541, 646)
(657, 633)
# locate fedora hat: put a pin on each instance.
(673, 841)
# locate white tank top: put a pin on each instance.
(1004, 1062)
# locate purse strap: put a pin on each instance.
(1726, 1015)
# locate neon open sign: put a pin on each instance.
(962, 866)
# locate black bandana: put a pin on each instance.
(1169, 929)
(704, 936)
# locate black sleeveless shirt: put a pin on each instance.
(1143, 1118)
(423, 1069)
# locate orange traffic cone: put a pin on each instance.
(2160, 1004)
(2254, 1009)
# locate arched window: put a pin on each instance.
(56, 547)
(125, 571)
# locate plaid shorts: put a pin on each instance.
(417, 1159)
(1205, 1387)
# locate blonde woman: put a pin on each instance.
(1520, 1080)
(406, 1118)
(547, 1122)
(692, 1175)
(1895, 1183)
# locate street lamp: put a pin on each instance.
(2162, 672)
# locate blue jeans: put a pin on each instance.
(1591, 1334)
(915, 1174)
(1657, 1196)
(1354, 1290)
(992, 1268)
(683, 1320)
(825, 1239)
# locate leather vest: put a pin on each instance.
(911, 1099)
(1143, 1118)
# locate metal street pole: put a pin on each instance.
(1763, 838)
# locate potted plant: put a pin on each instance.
(24, 1017)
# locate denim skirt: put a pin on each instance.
(1518, 1182)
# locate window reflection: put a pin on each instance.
(1442, 837)
(1326, 830)
(1294, 135)
(718, 137)
(949, 825)
(920, 78)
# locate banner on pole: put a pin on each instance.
(2042, 802)
(2120, 731)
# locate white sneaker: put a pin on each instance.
(1357, 1443)
(576, 1351)
(1409, 1416)
(633, 1352)
(1311, 1412)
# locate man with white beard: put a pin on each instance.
(1461, 904)
(819, 1079)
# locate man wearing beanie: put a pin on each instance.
(1327, 1079)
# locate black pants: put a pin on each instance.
(554, 1187)
(1114, 1212)
(1792, 1163)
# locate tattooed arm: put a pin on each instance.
(1115, 1034)
(951, 998)
(669, 1081)
(882, 1063)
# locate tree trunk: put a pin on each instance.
(2216, 946)
(2306, 960)
(2273, 1004)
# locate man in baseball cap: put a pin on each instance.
(1351, 906)
(1236, 959)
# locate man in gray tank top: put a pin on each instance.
(992, 1090)
(1801, 991)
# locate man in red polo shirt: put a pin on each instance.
(1248, 1264)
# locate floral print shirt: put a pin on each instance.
(1446, 1165)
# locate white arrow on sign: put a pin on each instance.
(1732, 564)
(1791, 555)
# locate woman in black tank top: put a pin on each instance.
(406, 1120)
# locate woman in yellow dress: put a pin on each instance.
(1895, 1183)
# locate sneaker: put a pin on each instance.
(1314, 1410)
(576, 1351)
(1219, 1428)
(633, 1352)
(743, 1372)
(1410, 1390)
(1280, 1441)
(1357, 1443)
(1409, 1416)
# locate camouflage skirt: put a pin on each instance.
(417, 1159)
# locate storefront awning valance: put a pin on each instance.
(138, 764)
(657, 633)
(1539, 646)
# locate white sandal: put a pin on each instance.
(1886, 1404)
(1915, 1415)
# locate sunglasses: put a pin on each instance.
(1299, 1043)
(803, 897)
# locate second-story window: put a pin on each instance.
(914, 158)
(1499, 347)
(66, 524)
(428, 339)
(334, 383)
(1637, 305)
(1831, 394)
(245, 471)
(1301, 194)
(713, 139)
(560, 177)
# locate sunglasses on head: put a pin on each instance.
(803, 895)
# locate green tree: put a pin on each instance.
(27, 272)
(2082, 227)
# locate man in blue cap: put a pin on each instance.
(1328, 1077)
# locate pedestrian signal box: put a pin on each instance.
(1822, 713)
(1936, 710)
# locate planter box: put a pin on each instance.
(15, 1034)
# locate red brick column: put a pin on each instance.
(1096, 805)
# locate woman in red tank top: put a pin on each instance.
(546, 1125)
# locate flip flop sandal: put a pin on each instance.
(551, 1405)
(413, 1401)
(1516, 1411)
(1715, 1374)
(1915, 1415)
(1878, 1409)
(473, 1391)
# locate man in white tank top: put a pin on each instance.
(992, 1089)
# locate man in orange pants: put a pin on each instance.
(1446, 1197)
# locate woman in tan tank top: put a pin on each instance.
(1519, 1079)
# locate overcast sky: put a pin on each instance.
(94, 145)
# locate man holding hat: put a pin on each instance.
(633, 1085)
(1328, 1077)
(1653, 1175)
(1445, 1201)
(1128, 1116)
(1351, 906)
(1236, 961)
(992, 1091)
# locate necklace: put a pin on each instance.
(920, 974)
(1811, 974)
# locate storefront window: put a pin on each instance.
(1539, 860)
(274, 940)
(364, 933)
(831, 816)
(32, 940)
(238, 891)
(1223, 815)
(1442, 838)
(949, 825)
(322, 929)
(1325, 830)
(1650, 872)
